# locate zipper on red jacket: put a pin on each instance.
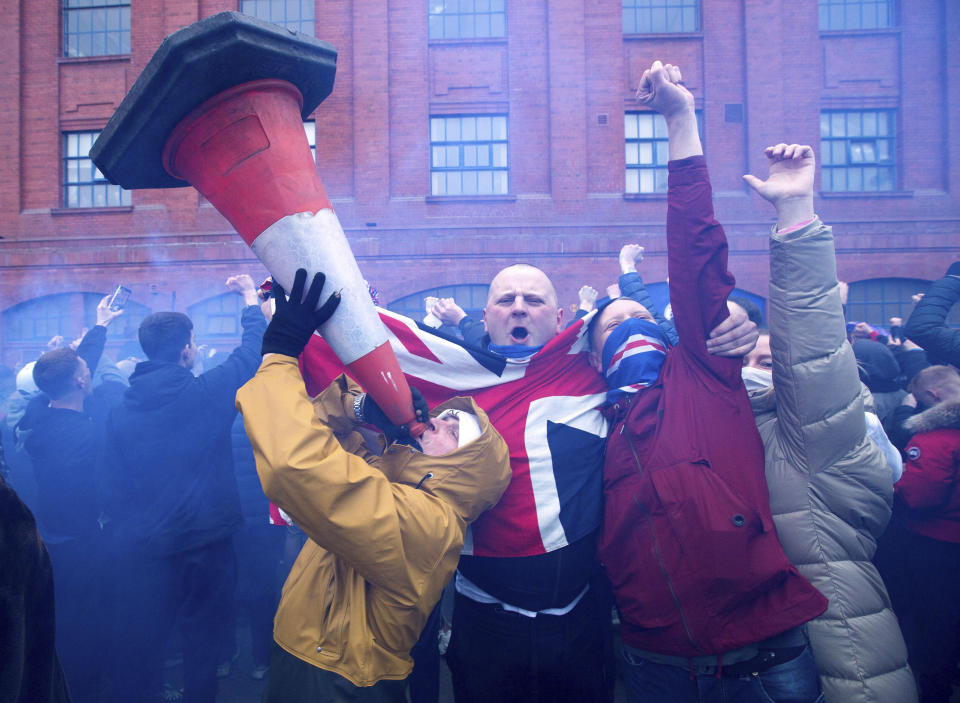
(656, 548)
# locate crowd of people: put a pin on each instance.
(706, 504)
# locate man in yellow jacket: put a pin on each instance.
(385, 532)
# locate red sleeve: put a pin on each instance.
(697, 264)
(930, 472)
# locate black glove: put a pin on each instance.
(368, 411)
(295, 321)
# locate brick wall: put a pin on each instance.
(565, 74)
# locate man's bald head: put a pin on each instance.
(522, 307)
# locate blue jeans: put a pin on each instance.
(794, 681)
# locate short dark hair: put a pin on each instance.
(163, 335)
(55, 372)
(754, 313)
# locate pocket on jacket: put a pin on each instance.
(719, 543)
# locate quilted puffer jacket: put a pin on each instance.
(831, 491)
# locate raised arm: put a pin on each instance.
(696, 245)
(631, 286)
(814, 369)
(222, 382)
(927, 325)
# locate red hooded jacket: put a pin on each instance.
(688, 538)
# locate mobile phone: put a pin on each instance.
(119, 298)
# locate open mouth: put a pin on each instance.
(519, 334)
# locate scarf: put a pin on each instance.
(632, 357)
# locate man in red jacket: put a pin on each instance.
(711, 609)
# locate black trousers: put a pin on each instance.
(82, 629)
(497, 655)
(292, 680)
(923, 579)
(193, 590)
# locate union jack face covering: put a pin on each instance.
(632, 357)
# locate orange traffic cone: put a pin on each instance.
(244, 148)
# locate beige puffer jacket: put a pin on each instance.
(385, 532)
(830, 488)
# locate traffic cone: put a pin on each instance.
(244, 148)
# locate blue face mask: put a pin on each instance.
(632, 357)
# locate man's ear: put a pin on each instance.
(185, 352)
(595, 361)
(559, 319)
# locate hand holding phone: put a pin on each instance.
(119, 298)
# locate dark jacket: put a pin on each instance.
(688, 537)
(927, 496)
(927, 325)
(65, 449)
(30, 670)
(170, 485)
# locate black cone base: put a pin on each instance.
(191, 66)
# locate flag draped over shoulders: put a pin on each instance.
(547, 407)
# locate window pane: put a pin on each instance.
(852, 143)
(645, 126)
(855, 14)
(633, 181)
(485, 183)
(96, 27)
(645, 150)
(630, 126)
(453, 183)
(453, 129)
(483, 129)
(472, 157)
(452, 156)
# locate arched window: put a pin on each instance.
(28, 326)
(217, 318)
(66, 314)
(876, 300)
(469, 296)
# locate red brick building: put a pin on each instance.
(465, 135)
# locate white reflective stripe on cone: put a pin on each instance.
(316, 242)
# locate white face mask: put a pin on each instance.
(756, 379)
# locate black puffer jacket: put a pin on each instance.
(927, 325)
(169, 481)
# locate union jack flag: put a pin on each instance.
(546, 407)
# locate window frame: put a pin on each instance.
(463, 147)
(855, 154)
(75, 12)
(824, 15)
(97, 182)
(463, 19)
(298, 24)
(650, 9)
(659, 141)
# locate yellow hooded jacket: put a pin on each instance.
(385, 532)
